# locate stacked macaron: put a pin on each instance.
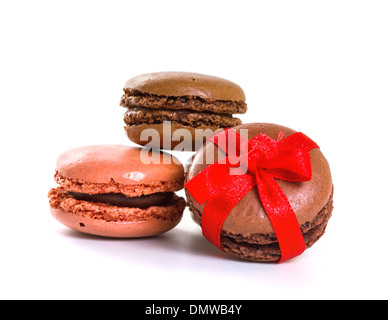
(188, 101)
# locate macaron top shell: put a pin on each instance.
(123, 164)
(182, 84)
(248, 216)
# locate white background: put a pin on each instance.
(320, 67)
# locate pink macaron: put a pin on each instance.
(118, 191)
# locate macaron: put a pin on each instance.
(118, 191)
(247, 232)
(166, 102)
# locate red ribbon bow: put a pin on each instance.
(265, 160)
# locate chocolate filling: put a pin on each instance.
(134, 98)
(120, 200)
(139, 115)
(180, 112)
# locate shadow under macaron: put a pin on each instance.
(179, 241)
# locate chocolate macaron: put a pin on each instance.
(247, 231)
(169, 101)
(118, 191)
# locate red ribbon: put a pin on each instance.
(266, 159)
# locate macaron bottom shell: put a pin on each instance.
(116, 222)
(121, 229)
(264, 248)
(171, 136)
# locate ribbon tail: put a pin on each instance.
(220, 192)
(281, 216)
(198, 187)
(219, 206)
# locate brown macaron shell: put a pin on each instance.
(118, 229)
(109, 221)
(117, 169)
(187, 101)
(186, 84)
(181, 139)
(248, 224)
